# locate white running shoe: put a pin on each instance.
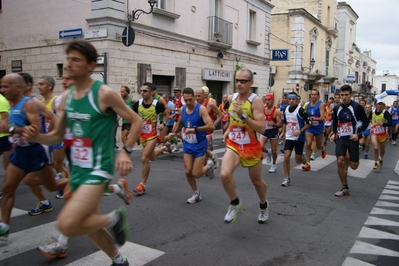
(286, 182)
(269, 156)
(175, 149)
(312, 156)
(273, 168)
(124, 192)
(211, 171)
(263, 216)
(215, 161)
(232, 212)
(54, 250)
(195, 198)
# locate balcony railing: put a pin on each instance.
(220, 32)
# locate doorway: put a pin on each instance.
(216, 89)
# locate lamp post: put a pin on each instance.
(312, 62)
(137, 12)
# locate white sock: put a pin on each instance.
(45, 202)
(4, 226)
(63, 240)
(117, 189)
(112, 219)
(118, 259)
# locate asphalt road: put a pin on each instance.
(308, 225)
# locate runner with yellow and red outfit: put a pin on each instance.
(148, 109)
(243, 147)
(380, 119)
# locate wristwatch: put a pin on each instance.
(128, 149)
(244, 116)
(11, 130)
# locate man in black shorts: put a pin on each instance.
(349, 122)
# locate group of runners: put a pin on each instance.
(81, 124)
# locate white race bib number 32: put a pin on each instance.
(82, 153)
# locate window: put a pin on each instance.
(161, 4)
(60, 70)
(252, 25)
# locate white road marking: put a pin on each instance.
(388, 191)
(365, 248)
(137, 255)
(387, 197)
(381, 203)
(365, 167)
(355, 262)
(378, 221)
(319, 163)
(383, 211)
(17, 212)
(376, 234)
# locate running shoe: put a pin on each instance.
(394, 142)
(195, 198)
(323, 153)
(215, 161)
(54, 250)
(286, 182)
(269, 157)
(124, 263)
(263, 216)
(168, 147)
(280, 142)
(342, 192)
(376, 165)
(232, 212)
(40, 208)
(175, 149)
(273, 168)
(211, 171)
(312, 156)
(139, 189)
(60, 194)
(3, 234)
(120, 229)
(306, 167)
(124, 192)
(366, 156)
(381, 162)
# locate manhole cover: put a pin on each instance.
(287, 208)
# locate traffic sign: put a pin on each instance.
(128, 36)
(72, 33)
(98, 33)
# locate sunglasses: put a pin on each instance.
(144, 91)
(242, 81)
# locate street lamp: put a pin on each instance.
(137, 12)
(312, 62)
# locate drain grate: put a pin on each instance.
(294, 209)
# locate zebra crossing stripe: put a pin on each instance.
(383, 211)
(17, 212)
(28, 239)
(378, 221)
(365, 167)
(136, 255)
(355, 262)
(387, 197)
(319, 163)
(365, 248)
(391, 182)
(31, 238)
(397, 168)
(381, 203)
(391, 187)
(376, 234)
(388, 191)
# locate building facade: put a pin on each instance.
(356, 68)
(181, 43)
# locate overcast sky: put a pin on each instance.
(378, 31)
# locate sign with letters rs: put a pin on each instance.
(280, 55)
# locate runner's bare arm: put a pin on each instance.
(207, 120)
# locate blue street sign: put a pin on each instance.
(72, 33)
(279, 54)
